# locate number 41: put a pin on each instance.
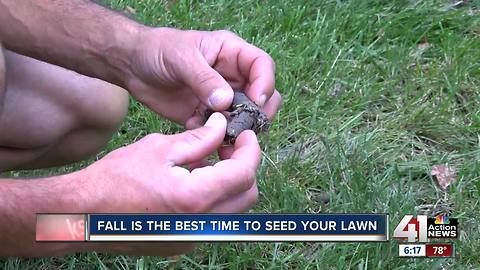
(411, 233)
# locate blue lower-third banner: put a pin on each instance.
(238, 227)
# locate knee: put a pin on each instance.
(98, 118)
(105, 110)
(115, 108)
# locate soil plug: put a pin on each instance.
(243, 114)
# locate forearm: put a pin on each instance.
(75, 34)
(20, 200)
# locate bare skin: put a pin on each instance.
(54, 114)
(59, 110)
(2, 78)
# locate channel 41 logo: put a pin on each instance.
(422, 228)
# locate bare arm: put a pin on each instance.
(169, 70)
(75, 34)
(20, 200)
(146, 176)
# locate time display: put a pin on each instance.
(411, 250)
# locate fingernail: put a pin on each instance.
(261, 100)
(217, 98)
(214, 120)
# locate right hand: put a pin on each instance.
(179, 74)
(146, 176)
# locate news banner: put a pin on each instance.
(413, 233)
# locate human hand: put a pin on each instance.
(147, 177)
(179, 73)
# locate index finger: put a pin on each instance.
(231, 176)
(259, 68)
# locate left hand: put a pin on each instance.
(179, 74)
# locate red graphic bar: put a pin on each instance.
(60, 227)
(439, 250)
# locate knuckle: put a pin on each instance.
(119, 153)
(274, 65)
(269, 59)
(251, 172)
(153, 137)
(193, 136)
(181, 203)
(185, 201)
(249, 179)
(202, 77)
(226, 33)
(155, 140)
(187, 140)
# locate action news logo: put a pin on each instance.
(422, 228)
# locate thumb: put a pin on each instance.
(208, 85)
(197, 144)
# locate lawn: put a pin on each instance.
(375, 94)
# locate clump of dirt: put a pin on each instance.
(242, 115)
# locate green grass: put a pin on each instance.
(366, 114)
